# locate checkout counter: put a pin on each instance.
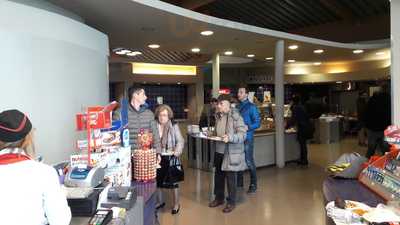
(142, 211)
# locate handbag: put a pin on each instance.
(175, 172)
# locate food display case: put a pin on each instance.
(267, 114)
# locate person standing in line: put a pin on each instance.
(140, 117)
(305, 129)
(229, 154)
(207, 118)
(377, 119)
(251, 118)
(172, 144)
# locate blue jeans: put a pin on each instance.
(251, 165)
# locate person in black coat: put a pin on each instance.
(305, 130)
(377, 119)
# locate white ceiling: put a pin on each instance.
(136, 23)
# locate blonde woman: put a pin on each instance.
(30, 191)
(172, 144)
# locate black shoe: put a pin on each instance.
(252, 189)
(160, 206)
(176, 211)
(215, 203)
(228, 208)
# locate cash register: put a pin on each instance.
(83, 186)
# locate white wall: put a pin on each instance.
(51, 67)
(395, 72)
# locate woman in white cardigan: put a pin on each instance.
(30, 191)
(172, 144)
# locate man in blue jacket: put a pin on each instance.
(251, 118)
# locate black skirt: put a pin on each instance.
(162, 174)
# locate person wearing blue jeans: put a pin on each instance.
(251, 118)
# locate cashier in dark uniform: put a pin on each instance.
(30, 192)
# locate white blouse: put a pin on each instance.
(30, 194)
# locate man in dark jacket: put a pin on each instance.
(207, 118)
(377, 119)
(251, 118)
(140, 117)
(305, 129)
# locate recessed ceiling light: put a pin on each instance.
(269, 58)
(293, 47)
(135, 53)
(207, 33)
(317, 63)
(318, 51)
(196, 50)
(154, 46)
(380, 53)
(250, 55)
(123, 52)
(228, 53)
(358, 51)
(291, 60)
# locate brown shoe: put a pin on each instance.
(215, 203)
(228, 208)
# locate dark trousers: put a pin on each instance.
(376, 140)
(219, 180)
(251, 165)
(303, 150)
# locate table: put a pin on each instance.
(348, 189)
(142, 213)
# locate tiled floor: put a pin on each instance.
(286, 196)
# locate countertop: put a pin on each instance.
(144, 190)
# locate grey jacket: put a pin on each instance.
(234, 158)
(142, 119)
(175, 140)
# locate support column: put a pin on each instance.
(215, 75)
(279, 104)
(395, 57)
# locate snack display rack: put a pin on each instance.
(145, 158)
(382, 175)
(106, 144)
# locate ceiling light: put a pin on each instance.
(228, 53)
(195, 50)
(269, 58)
(123, 52)
(293, 47)
(135, 53)
(250, 55)
(154, 46)
(179, 83)
(339, 82)
(358, 51)
(380, 53)
(207, 33)
(317, 63)
(291, 60)
(318, 51)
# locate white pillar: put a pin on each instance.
(279, 104)
(395, 67)
(215, 75)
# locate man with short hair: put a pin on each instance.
(251, 118)
(207, 118)
(140, 117)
